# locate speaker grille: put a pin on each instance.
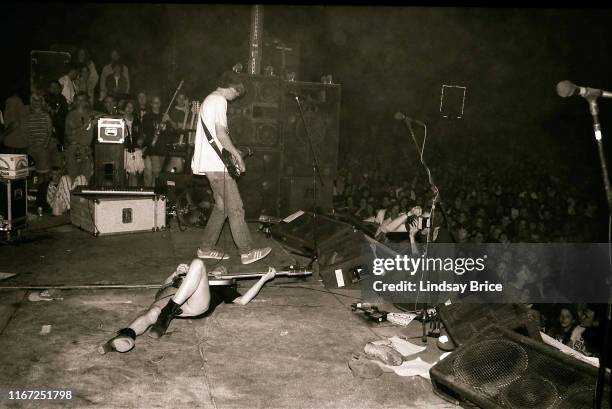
(531, 392)
(491, 364)
(503, 369)
(582, 398)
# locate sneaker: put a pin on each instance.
(213, 254)
(255, 255)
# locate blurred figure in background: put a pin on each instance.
(108, 71)
(15, 132)
(57, 107)
(39, 128)
(58, 190)
(79, 137)
(143, 105)
(68, 83)
(83, 60)
(154, 127)
(110, 106)
(133, 160)
(116, 83)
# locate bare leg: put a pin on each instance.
(196, 279)
(144, 321)
(199, 301)
(192, 282)
(125, 339)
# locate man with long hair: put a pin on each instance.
(212, 129)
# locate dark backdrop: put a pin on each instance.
(387, 59)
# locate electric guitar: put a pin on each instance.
(289, 271)
(231, 163)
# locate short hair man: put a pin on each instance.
(212, 123)
(185, 293)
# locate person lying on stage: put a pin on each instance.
(185, 293)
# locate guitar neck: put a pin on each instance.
(260, 274)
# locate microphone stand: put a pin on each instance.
(603, 359)
(315, 173)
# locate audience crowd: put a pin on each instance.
(57, 128)
(494, 199)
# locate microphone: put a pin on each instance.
(567, 89)
(402, 117)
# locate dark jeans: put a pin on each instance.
(228, 204)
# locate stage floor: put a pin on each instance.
(289, 348)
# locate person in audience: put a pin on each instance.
(82, 82)
(179, 115)
(79, 137)
(586, 337)
(155, 140)
(563, 328)
(108, 71)
(57, 107)
(92, 78)
(116, 83)
(143, 105)
(56, 192)
(39, 127)
(68, 83)
(134, 162)
(110, 106)
(15, 132)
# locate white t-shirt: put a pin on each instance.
(205, 159)
(68, 88)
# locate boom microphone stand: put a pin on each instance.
(604, 358)
(567, 89)
(316, 173)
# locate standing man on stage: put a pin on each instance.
(206, 161)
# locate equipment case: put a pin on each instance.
(116, 215)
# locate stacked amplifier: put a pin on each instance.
(13, 194)
(267, 119)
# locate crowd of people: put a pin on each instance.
(58, 128)
(494, 199)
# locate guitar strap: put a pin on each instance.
(211, 140)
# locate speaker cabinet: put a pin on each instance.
(109, 165)
(464, 321)
(297, 194)
(260, 186)
(321, 109)
(503, 369)
(254, 119)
